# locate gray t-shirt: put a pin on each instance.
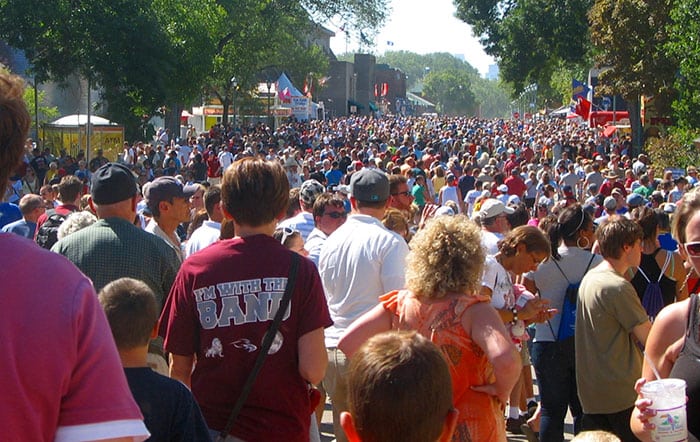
(552, 285)
(608, 361)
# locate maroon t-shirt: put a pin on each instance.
(221, 304)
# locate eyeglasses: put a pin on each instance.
(286, 234)
(336, 215)
(692, 248)
(406, 193)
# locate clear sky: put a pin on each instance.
(423, 26)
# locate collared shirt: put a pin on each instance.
(314, 244)
(359, 262)
(113, 248)
(205, 235)
(302, 222)
(174, 243)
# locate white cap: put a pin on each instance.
(493, 207)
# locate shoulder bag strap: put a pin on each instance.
(264, 348)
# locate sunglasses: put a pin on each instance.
(336, 215)
(406, 193)
(692, 248)
(286, 234)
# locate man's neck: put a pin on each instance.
(618, 265)
(245, 230)
(168, 226)
(134, 357)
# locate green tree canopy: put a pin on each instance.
(529, 38)
(451, 91)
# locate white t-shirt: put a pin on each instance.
(498, 280)
(470, 200)
(489, 241)
(359, 262)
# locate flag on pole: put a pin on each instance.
(579, 89)
(285, 94)
(583, 108)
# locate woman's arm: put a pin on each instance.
(663, 345)
(486, 329)
(373, 322)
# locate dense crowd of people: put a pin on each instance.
(508, 244)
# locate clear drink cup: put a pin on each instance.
(668, 400)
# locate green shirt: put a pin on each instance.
(114, 248)
(418, 193)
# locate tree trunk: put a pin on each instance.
(172, 120)
(224, 114)
(634, 109)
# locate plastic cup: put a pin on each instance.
(668, 400)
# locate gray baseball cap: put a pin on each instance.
(369, 185)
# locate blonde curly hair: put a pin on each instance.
(446, 257)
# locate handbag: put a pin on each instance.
(264, 348)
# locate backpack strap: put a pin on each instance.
(665, 266)
(641, 272)
(561, 271)
(584, 272)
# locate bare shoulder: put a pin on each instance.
(671, 321)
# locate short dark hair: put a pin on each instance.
(212, 197)
(394, 181)
(385, 377)
(132, 311)
(69, 188)
(324, 200)
(616, 233)
(254, 191)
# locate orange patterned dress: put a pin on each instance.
(480, 416)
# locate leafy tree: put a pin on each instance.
(683, 46)
(630, 37)
(492, 98)
(529, 38)
(451, 90)
(676, 149)
(149, 53)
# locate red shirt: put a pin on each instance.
(607, 187)
(63, 209)
(516, 186)
(220, 306)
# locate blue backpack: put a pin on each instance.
(567, 325)
(653, 300)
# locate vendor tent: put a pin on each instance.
(69, 133)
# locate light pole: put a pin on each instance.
(268, 83)
(234, 85)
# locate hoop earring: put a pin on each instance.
(578, 242)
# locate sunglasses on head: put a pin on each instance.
(287, 233)
(336, 215)
(692, 248)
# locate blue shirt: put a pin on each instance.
(9, 213)
(22, 228)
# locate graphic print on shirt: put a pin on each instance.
(216, 349)
(245, 344)
(241, 302)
